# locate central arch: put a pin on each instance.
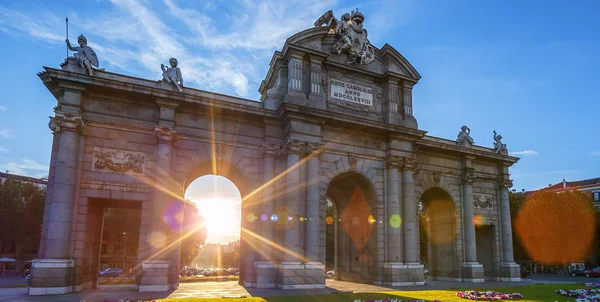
(439, 225)
(245, 187)
(355, 224)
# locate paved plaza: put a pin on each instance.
(232, 289)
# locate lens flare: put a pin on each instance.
(556, 228)
(274, 217)
(263, 217)
(158, 240)
(371, 219)
(250, 217)
(329, 220)
(395, 221)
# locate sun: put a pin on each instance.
(219, 203)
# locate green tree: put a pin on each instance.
(193, 233)
(21, 214)
(516, 202)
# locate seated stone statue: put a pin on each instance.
(464, 138)
(499, 147)
(85, 55)
(172, 74)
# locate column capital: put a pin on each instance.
(393, 161)
(270, 150)
(468, 177)
(314, 149)
(505, 184)
(66, 121)
(294, 146)
(408, 164)
(165, 134)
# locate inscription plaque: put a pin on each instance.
(350, 92)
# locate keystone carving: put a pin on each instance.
(352, 161)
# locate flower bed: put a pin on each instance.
(488, 295)
(591, 284)
(582, 295)
(392, 300)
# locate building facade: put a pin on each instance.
(335, 121)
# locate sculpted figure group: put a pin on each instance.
(464, 139)
(351, 36)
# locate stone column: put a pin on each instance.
(472, 270)
(410, 213)
(395, 270)
(291, 270)
(161, 261)
(509, 270)
(314, 269)
(409, 224)
(394, 212)
(53, 273)
(266, 269)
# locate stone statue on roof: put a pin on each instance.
(499, 147)
(86, 57)
(172, 75)
(464, 137)
(351, 36)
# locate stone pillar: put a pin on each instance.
(316, 91)
(407, 107)
(472, 270)
(295, 66)
(291, 270)
(391, 95)
(410, 224)
(314, 269)
(266, 269)
(395, 271)
(53, 274)
(509, 270)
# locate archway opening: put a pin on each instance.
(354, 241)
(438, 223)
(218, 204)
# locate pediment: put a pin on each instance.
(320, 40)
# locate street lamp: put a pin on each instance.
(125, 235)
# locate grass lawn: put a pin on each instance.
(541, 293)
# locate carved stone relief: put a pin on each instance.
(119, 161)
(483, 201)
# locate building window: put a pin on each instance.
(596, 196)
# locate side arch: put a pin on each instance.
(441, 225)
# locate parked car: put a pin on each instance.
(576, 269)
(189, 271)
(595, 272)
(111, 272)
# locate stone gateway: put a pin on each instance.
(331, 127)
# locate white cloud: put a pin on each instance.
(3, 108)
(25, 167)
(5, 133)
(4, 150)
(543, 173)
(525, 152)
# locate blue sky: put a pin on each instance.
(527, 69)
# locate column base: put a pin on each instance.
(155, 276)
(510, 271)
(51, 277)
(266, 274)
(403, 274)
(295, 275)
(472, 272)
